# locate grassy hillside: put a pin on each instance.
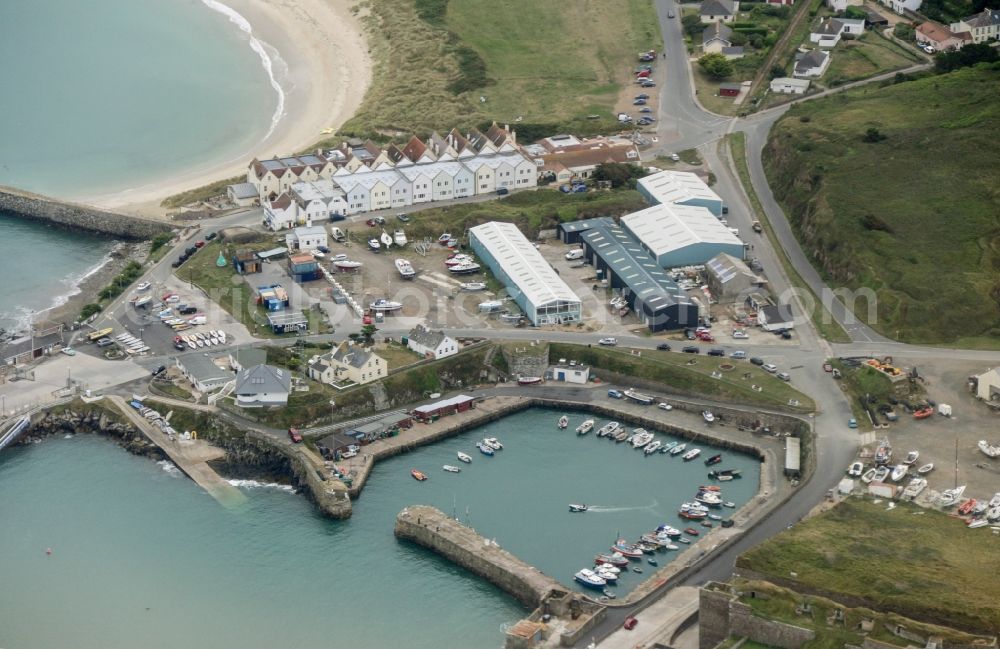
(547, 63)
(916, 562)
(895, 188)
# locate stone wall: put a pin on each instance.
(432, 529)
(77, 217)
(713, 616)
(743, 623)
(526, 360)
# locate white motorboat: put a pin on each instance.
(989, 450)
(641, 437)
(881, 474)
(444, 238)
(473, 286)
(899, 472)
(978, 523)
(563, 422)
(993, 514)
(590, 579)
(914, 488)
(466, 268)
(456, 260)
(883, 454)
(911, 457)
(868, 475)
(707, 416)
(856, 469)
(652, 447)
(399, 238)
(951, 496)
(464, 458)
(709, 498)
(638, 397)
(143, 286)
(692, 454)
(925, 469)
(610, 577)
(348, 264)
(385, 239)
(141, 301)
(490, 306)
(585, 427)
(374, 245)
(191, 344)
(577, 508)
(608, 567)
(493, 443)
(450, 468)
(677, 450)
(609, 428)
(405, 269)
(382, 304)
(995, 500)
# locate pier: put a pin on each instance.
(191, 457)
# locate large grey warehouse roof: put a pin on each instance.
(665, 228)
(525, 266)
(677, 187)
(634, 266)
(576, 226)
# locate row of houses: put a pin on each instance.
(977, 28)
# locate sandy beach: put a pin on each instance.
(324, 47)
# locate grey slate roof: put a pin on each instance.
(983, 19)
(716, 31)
(716, 8)
(352, 355)
(244, 190)
(813, 59)
(424, 336)
(248, 356)
(263, 378)
(733, 51)
(829, 27)
(203, 369)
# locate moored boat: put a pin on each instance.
(911, 457)
(585, 427)
(529, 380)
(925, 469)
(868, 475)
(691, 531)
(715, 459)
(652, 447)
(881, 474)
(608, 429)
(899, 472)
(615, 559)
(626, 549)
(485, 450)
(450, 468)
(621, 435)
(667, 447)
(641, 437)
(677, 450)
(692, 454)
(590, 579)
(418, 475)
(493, 443)
(563, 422)
(464, 458)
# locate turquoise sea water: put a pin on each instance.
(40, 265)
(144, 558)
(107, 95)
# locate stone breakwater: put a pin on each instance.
(79, 217)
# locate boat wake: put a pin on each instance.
(169, 467)
(254, 484)
(268, 56)
(602, 509)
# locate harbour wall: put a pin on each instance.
(43, 209)
(432, 529)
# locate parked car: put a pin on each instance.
(784, 376)
(159, 370)
(663, 405)
(670, 14)
(630, 623)
(210, 236)
(187, 310)
(69, 351)
(691, 349)
(645, 109)
(689, 334)
(608, 342)
(405, 218)
(740, 334)
(104, 342)
(675, 157)
(738, 355)
(323, 249)
(769, 367)
(646, 83)
(639, 102)
(502, 191)
(756, 361)
(852, 423)
(642, 96)
(294, 435)
(663, 347)
(827, 367)
(786, 334)
(615, 394)
(199, 244)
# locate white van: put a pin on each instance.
(576, 253)
(338, 235)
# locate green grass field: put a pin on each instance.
(546, 63)
(678, 371)
(912, 216)
(916, 562)
(865, 57)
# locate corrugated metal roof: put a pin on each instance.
(677, 187)
(793, 453)
(525, 266)
(665, 228)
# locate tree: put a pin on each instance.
(777, 70)
(967, 56)
(617, 173)
(873, 135)
(904, 32)
(716, 66)
(368, 333)
(855, 13)
(692, 25)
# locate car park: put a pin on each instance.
(663, 347)
(615, 394)
(691, 350)
(769, 367)
(716, 352)
(784, 376)
(756, 361)
(608, 342)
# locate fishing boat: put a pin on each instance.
(590, 579)
(715, 459)
(374, 245)
(652, 540)
(881, 474)
(485, 450)
(348, 264)
(405, 269)
(608, 429)
(626, 549)
(707, 416)
(692, 454)
(652, 447)
(911, 457)
(529, 380)
(923, 413)
(868, 475)
(668, 531)
(464, 458)
(621, 435)
(989, 450)
(493, 443)
(641, 437)
(473, 286)
(677, 450)
(385, 239)
(577, 508)
(615, 559)
(585, 427)
(692, 514)
(667, 447)
(418, 475)
(950, 496)
(563, 422)
(691, 531)
(925, 469)
(898, 472)
(464, 269)
(399, 238)
(607, 575)
(385, 305)
(143, 286)
(966, 508)
(450, 468)
(646, 548)
(709, 498)
(638, 397)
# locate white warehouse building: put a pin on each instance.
(679, 188)
(681, 235)
(530, 279)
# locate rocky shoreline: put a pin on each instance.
(93, 422)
